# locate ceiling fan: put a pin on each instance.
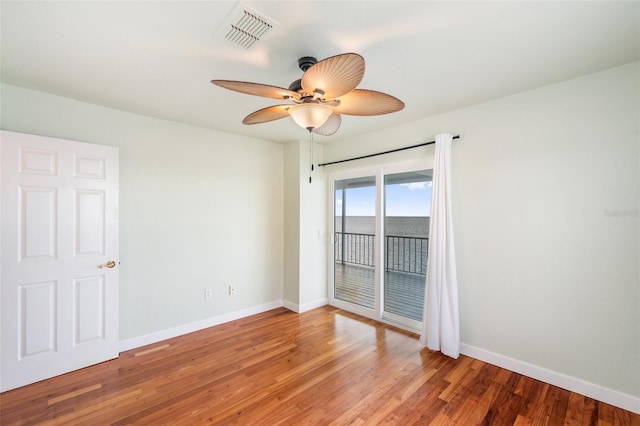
(326, 90)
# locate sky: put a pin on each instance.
(407, 199)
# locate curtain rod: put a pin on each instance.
(382, 153)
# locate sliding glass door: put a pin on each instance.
(354, 242)
(379, 255)
(407, 203)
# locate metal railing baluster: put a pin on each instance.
(402, 254)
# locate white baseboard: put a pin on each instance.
(306, 306)
(291, 306)
(136, 342)
(609, 396)
(312, 305)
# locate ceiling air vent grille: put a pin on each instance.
(245, 27)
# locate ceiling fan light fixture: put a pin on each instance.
(310, 116)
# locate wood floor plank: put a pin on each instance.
(74, 393)
(427, 408)
(325, 366)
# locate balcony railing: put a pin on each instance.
(401, 254)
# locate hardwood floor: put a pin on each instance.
(322, 367)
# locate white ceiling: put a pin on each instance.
(157, 58)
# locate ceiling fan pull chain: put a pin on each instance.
(310, 153)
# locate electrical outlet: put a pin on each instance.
(208, 294)
(232, 290)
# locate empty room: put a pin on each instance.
(319, 212)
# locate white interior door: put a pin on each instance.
(59, 229)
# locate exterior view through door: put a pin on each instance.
(381, 231)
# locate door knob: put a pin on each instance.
(109, 264)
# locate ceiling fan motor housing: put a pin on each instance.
(296, 86)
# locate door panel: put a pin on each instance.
(89, 223)
(37, 223)
(407, 210)
(89, 296)
(37, 318)
(59, 224)
(355, 235)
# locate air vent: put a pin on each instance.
(245, 27)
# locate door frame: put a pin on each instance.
(378, 171)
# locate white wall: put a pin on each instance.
(546, 276)
(305, 266)
(291, 290)
(198, 209)
(313, 231)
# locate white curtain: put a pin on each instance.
(440, 324)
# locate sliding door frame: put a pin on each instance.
(332, 178)
(379, 172)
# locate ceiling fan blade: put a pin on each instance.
(335, 76)
(264, 115)
(368, 102)
(330, 126)
(257, 89)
